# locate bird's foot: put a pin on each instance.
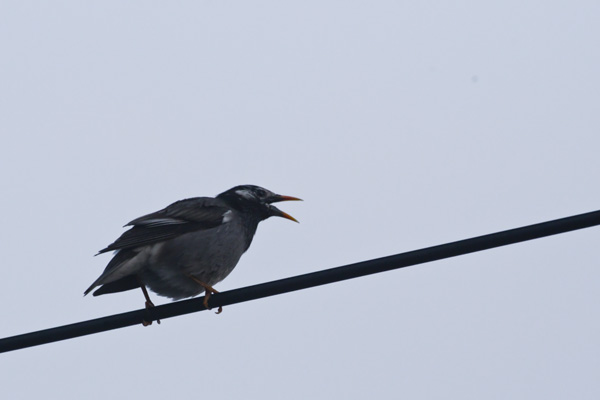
(208, 291)
(149, 304)
(207, 295)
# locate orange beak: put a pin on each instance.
(277, 212)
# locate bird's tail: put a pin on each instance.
(127, 283)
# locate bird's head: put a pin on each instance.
(256, 200)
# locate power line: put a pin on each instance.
(305, 281)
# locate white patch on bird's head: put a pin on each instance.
(246, 193)
(253, 193)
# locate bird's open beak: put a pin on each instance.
(276, 211)
(276, 198)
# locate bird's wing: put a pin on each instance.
(181, 217)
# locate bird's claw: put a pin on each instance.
(208, 293)
(149, 305)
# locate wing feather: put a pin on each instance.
(181, 217)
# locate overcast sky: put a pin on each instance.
(401, 124)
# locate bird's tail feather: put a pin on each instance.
(128, 283)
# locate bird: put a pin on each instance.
(188, 247)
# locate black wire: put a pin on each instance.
(304, 281)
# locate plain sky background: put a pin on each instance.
(401, 124)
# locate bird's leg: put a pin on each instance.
(149, 304)
(208, 291)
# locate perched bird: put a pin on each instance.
(185, 249)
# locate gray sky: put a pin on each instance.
(401, 125)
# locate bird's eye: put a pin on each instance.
(261, 193)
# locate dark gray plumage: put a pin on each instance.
(191, 242)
